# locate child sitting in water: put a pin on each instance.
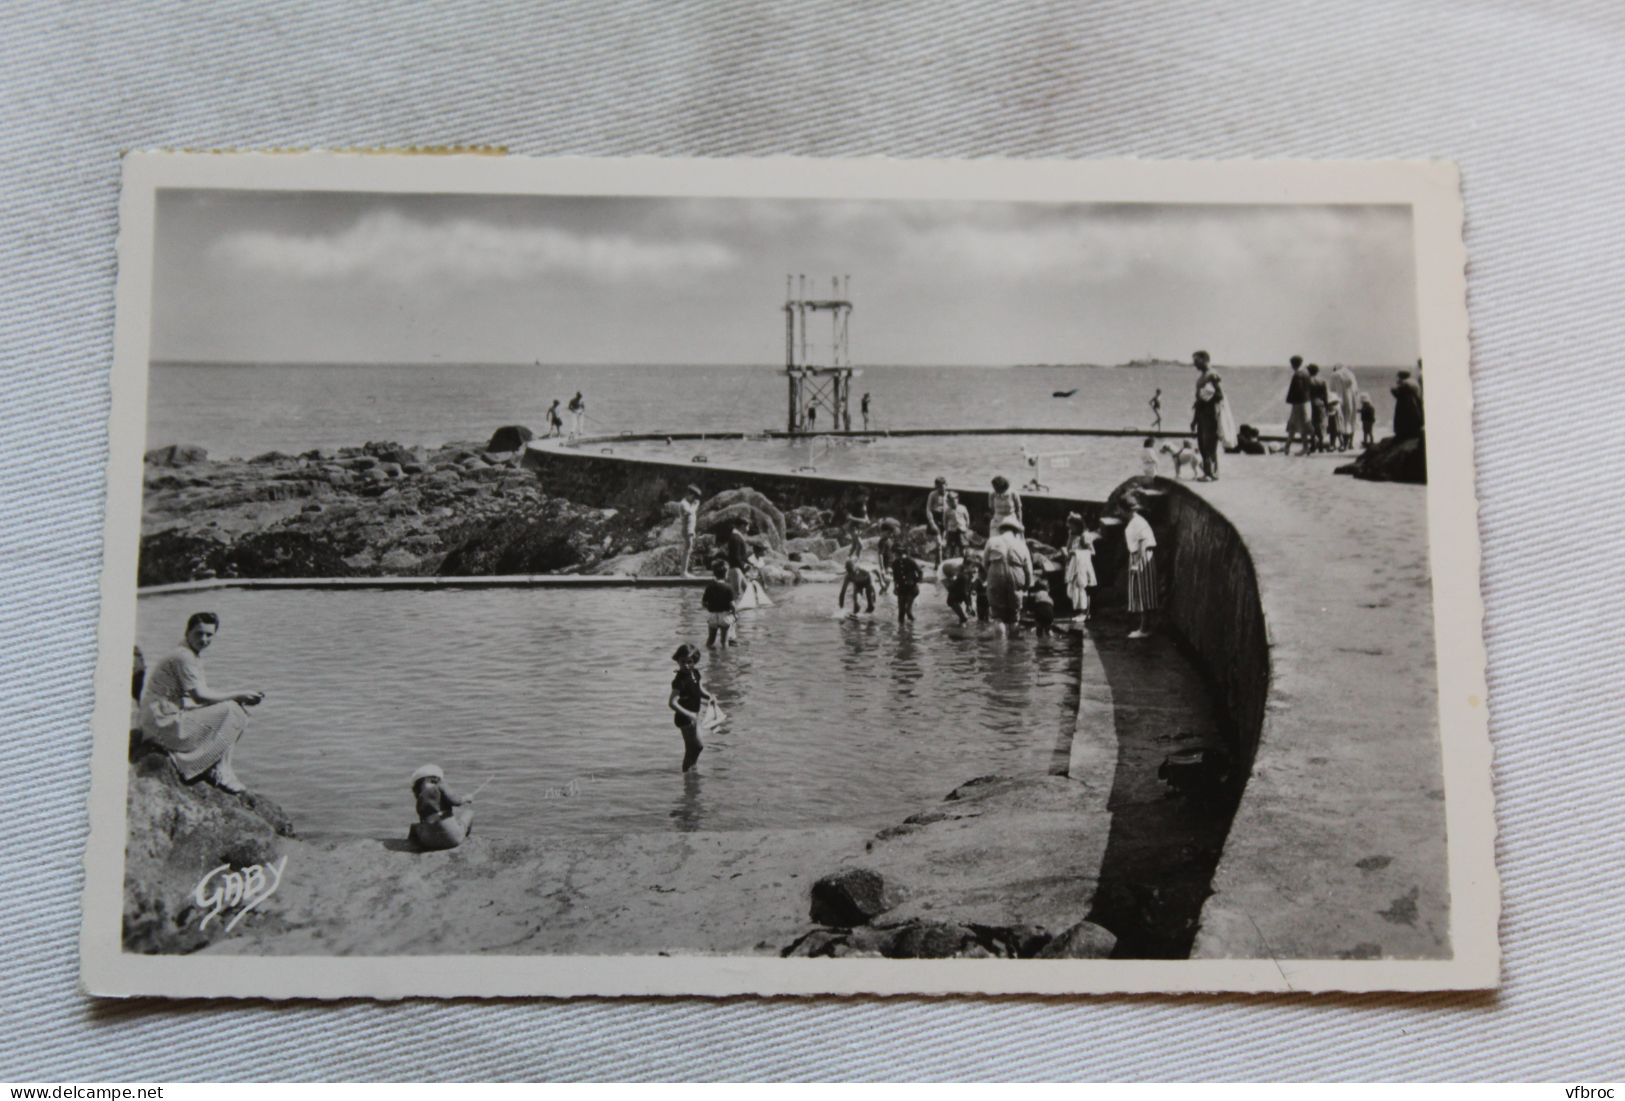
(444, 818)
(861, 581)
(1042, 606)
(687, 697)
(718, 602)
(1148, 458)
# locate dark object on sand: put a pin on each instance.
(1201, 771)
(510, 437)
(1392, 460)
(1064, 393)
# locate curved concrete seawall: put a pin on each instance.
(594, 474)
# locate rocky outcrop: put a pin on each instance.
(510, 437)
(177, 834)
(1392, 460)
(176, 454)
(851, 896)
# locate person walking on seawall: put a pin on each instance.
(1407, 407)
(1002, 503)
(198, 727)
(578, 414)
(1297, 399)
(1345, 387)
(1009, 573)
(865, 407)
(1156, 410)
(812, 418)
(688, 512)
(1142, 568)
(555, 423)
(936, 513)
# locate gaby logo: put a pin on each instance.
(223, 888)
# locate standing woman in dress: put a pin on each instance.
(1009, 573)
(1002, 504)
(1142, 569)
(179, 712)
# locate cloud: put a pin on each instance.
(389, 246)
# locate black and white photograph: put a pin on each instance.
(637, 577)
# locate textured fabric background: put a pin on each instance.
(1526, 97)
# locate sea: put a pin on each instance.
(245, 409)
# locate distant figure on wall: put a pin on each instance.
(812, 418)
(1156, 410)
(1407, 407)
(578, 414)
(555, 423)
(865, 407)
(688, 511)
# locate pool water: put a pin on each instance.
(558, 698)
(1086, 467)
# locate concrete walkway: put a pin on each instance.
(1338, 848)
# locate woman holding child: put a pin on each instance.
(179, 712)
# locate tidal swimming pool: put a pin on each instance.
(558, 697)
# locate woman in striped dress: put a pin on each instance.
(1142, 566)
(198, 727)
(1002, 504)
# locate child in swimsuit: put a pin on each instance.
(1042, 605)
(906, 572)
(688, 695)
(444, 818)
(718, 602)
(861, 581)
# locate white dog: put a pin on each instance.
(1185, 456)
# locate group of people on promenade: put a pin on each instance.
(1322, 411)
(578, 416)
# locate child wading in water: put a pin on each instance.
(718, 602)
(686, 699)
(886, 550)
(444, 818)
(1042, 605)
(906, 573)
(862, 583)
(962, 581)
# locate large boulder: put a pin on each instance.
(176, 454)
(851, 896)
(771, 518)
(177, 834)
(510, 437)
(1392, 460)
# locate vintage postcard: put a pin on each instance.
(555, 577)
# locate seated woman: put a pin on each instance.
(179, 712)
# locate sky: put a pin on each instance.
(342, 277)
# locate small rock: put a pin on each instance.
(929, 940)
(1084, 941)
